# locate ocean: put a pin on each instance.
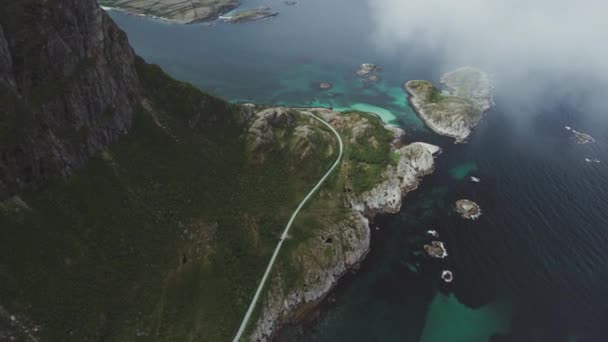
(533, 267)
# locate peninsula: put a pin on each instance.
(457, 110)
(178, 11)
(331, 236)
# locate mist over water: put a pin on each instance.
(534, 267)
(530, 45)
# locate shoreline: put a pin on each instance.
(311, 317)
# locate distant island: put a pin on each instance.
(254, 14)
(178, 11)
(455, 111)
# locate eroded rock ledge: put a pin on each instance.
(342, 241)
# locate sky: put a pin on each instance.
(531, 44)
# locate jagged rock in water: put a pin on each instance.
(436, 250)
(468, 209)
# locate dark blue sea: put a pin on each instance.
(534, 267)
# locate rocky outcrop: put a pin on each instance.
(67, 82)
(455, 111)
(343, 246)
(340, 245)
(178, 11)
(415, 162)
(436, 249)
(468, 209)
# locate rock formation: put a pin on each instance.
(468, 209)
(436, 250)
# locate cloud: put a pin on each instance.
(515, 39)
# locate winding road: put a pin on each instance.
(284, 236)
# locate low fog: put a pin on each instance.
(529, 45)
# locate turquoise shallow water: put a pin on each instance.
(449, 320)
(461, 171)
(534, 267)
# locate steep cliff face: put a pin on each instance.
(67, 84)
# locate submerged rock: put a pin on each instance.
(455, 111)
(468, 209)
(325, 85)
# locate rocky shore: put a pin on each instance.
(177, 11)
(457, 110)
(341, 243)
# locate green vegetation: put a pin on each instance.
(326, 218)
(165, 232)
(370, 156)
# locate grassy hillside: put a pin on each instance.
(164, 233)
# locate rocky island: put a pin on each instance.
(368, 72)
(468, 209)
(255, 14)
(458, 109)
(580, 137)
(178, 11)
(436, 250)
